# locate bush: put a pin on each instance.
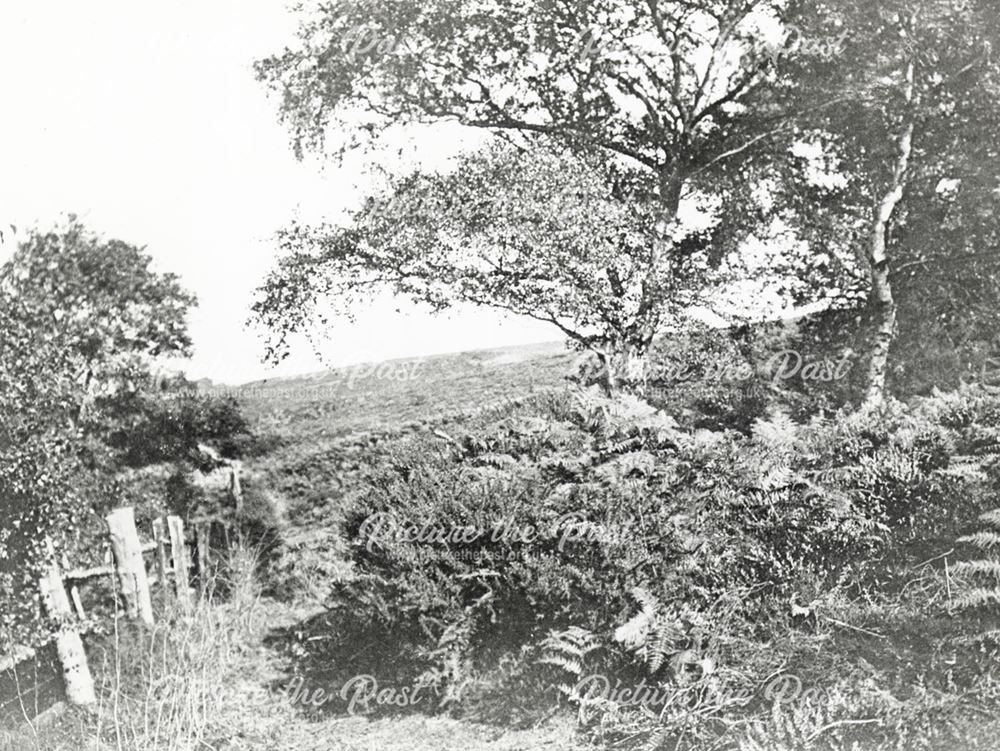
(148, 426)
(547, 519)
(42, 501)
(676, 555)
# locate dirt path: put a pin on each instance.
(275, 725)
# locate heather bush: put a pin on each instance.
(153, 425)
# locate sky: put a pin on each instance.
(145, 120)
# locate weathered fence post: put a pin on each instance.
(236, 485)
(76, 672)
(203, 539)
(178, 553)
(236, 495)
(160, 537)
(131, 567)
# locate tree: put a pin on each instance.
(915, 139)
(81, 321)
(99, 299)
(541, 233)
(37, 462)
(662, 85)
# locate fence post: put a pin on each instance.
(131, 567)
(236, 485)
(203, 537)
(76, 672)
(236, 495)
(160, 537)
(178, 553)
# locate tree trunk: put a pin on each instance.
(623, 365)
(627, 362)
(881, 302)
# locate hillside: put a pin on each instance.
(395, 393)
(320, 432)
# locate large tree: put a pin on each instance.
(100, 298)
(915, 139)
(660, 84)
(542, 233)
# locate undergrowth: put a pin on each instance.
(563, 552)
(166, 688)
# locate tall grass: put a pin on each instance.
(168, 688)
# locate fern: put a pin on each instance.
(569, 649)
(648, 634)
(981, 577)
(802, 725)
(979, 597)
(985, 540)
(978, 568)
(633, 633)
(778, 434)
(991, 518)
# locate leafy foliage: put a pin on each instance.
(99, 298)
(643, 105)
(899, 174)
(82, 320)
(618, 500)
(623, 77)
(542, 232)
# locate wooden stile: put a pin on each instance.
(60, 594)
(74, 592)
(131, 566)
(160, 538)
(235, 485)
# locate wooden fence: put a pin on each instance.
(129, 575)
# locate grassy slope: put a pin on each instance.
(364, 398)
(320, 426)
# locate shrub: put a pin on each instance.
(39, 485)
(148, 426)
(615, 497)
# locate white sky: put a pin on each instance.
(145, 120)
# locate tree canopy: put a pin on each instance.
(858, 136)
(541, 232)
